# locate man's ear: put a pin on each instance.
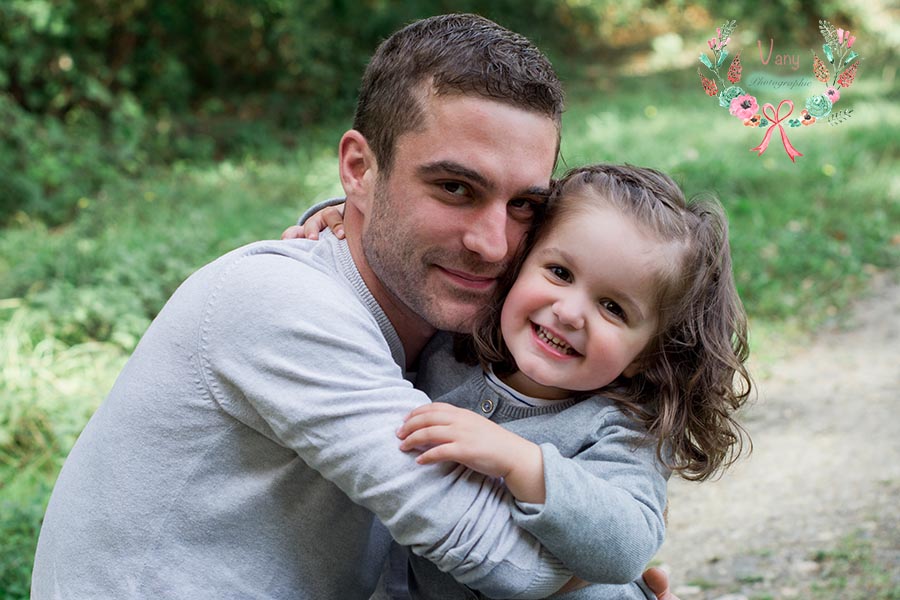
(358, 169)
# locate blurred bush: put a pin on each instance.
(91, 89)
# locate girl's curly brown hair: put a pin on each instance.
(692, 378)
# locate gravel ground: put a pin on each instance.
(824, 477)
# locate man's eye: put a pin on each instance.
(560, 272)
(523, 203)
(455, 188)
(525, 208)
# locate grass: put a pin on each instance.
(74, 300)
(48, 390)
(858, 569)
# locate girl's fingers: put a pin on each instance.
(335, 221)
(293, 232)
(442, 453)
(425, 416)
(331, 217)
(313, 226)
(437, 408)
(427, 408)
(429, 436)
(415, 423)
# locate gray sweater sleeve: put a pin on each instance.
(317, 207)
(291, 352)
(606, 491)
(603, 514)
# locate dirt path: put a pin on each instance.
(825, 466)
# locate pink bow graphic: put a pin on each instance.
(788, 147)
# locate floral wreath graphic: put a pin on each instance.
(837, 49)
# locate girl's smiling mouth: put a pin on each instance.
(552, 341)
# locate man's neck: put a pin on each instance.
(412, 330)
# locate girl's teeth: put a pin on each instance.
(552, 339)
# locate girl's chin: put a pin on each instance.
(543, 387)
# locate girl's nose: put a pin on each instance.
(569, 313)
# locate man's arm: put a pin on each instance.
(311, 361)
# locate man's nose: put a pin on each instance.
(486, 233)
(570, 312)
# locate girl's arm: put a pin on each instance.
(448, 433)
(600, 491)
(605, 492)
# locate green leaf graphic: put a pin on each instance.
(722, 58)
(829, 33)
(839, 117)
(706, 61)
(727, 29)
(827, 50)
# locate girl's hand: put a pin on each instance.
(330, 216)
(658, 582)
(448, 433)
(655, 578)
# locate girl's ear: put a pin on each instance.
(637, 365)
(633, 369)
(358, 169)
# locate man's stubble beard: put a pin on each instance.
(392, 256)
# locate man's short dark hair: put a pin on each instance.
(454, 54)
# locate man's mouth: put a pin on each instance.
(553, 341)
(469, 280)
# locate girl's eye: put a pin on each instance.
(560, 272)
(614, 309)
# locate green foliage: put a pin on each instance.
(306, 58)
(20, 523)
(859, 568)
(46, 165)
(161, 135)
(47, 392)
(91, 89)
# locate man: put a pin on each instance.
(248, 449)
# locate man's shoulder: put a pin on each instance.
(281, 256)
(281, 282)
(283, 269)
(286, 296)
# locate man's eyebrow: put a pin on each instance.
(441, 167)
(542, 192)
(454, 168)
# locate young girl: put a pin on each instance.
(610, 361)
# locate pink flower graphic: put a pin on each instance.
(744, 107)
(833, 94)
(844, 36)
